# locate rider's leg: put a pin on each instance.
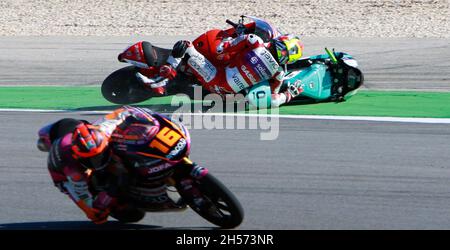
(204, 71)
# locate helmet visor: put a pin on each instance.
(282, 52)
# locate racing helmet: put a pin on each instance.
(90, 147)
(288, 49)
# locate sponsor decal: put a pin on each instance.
(238, 82)
(267, 59)
(180, 146)
(248, 74)
(263, 71)
(159, 168)
(202, 66)
(258, 65)
(235, 80)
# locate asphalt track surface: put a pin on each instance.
(401, 63)
(318, 174)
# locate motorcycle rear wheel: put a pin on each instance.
(130, 214)
(122, 87)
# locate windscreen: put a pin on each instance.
(264, 29)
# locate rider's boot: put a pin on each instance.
(180, 48)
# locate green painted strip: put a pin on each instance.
(364, 103)
(61, 97)
(381, 103)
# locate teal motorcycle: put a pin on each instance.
(333, 76)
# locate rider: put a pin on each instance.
(247, 60)
(132, 129)
(77, 149)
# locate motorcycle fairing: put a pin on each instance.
(144, 55)
(170, 144)
(259, 95)
(315, 80)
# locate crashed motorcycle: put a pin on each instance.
(212, 200)
(333, 76)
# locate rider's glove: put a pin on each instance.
(167, 71)
(98, 216)
(101, 208)
(295, 89)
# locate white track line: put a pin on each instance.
(317, 117)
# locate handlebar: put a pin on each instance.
(239, 27)
(235, 25)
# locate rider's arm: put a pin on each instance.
(77, 187)
(110, 121)
(239, 43)
(277, 80)
(71, 180)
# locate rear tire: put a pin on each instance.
(128, 215)
(122, 87)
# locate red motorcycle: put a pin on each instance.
(124, 87)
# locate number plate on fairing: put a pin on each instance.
(259, 95)
(170, 143)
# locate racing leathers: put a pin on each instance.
(246, 60)
(68, 174)
(152, 77)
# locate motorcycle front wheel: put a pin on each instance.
(219, 205)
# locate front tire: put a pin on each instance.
(221, 207)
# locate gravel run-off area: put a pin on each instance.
(311, 18)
